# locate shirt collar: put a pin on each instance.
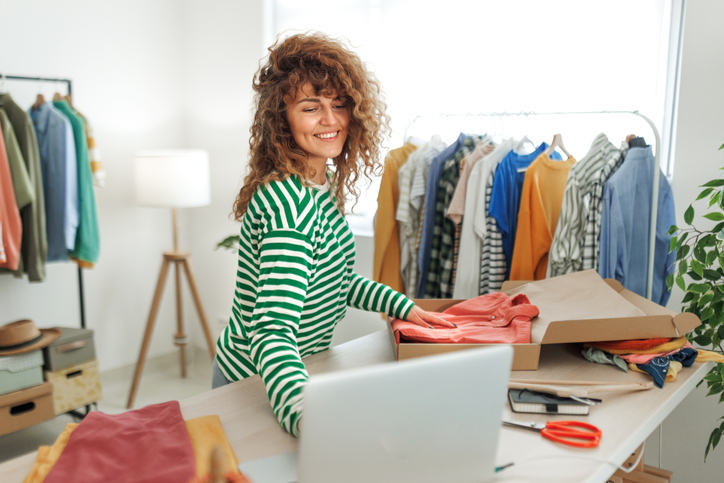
(40, 117)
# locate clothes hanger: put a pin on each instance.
(57, 97)
(524, 140)
(40, 99)
(557, 143)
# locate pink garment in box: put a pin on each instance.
(487, 319)
(150, 444)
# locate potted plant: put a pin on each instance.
(699, 272)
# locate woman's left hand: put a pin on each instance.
(420, 317)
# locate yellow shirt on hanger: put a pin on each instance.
(386, 265)
(540, 206)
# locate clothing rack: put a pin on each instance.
(657, 168)
(69, 84)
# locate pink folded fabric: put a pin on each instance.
(487, 319)
(646, 358)
(150, 444)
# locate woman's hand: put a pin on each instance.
(420, 317)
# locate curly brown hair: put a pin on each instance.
(328, 66)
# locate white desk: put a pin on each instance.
(625, 419)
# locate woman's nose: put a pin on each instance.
(327, 117)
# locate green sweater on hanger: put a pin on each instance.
(87, 239)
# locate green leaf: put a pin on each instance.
(699, 252)
(672, 243)
(711, 440)
(721, 147)
(680, 282)
(683, 252)
(704, 193)
(711, 274)
(706, 298)
(712, 378)
(698, 268)
(683, 266)
(720, 331)
(706, 314)
(721, 199)
(717, 437)
(715, 216)
(705, 341)
(689, 215)
(699, 287)
(688, 297)
(714, 183)
(670, 281)
(672, 229)
(229, 243)
(711, 256)
(716, 197)
(694, 276)
(720, 234)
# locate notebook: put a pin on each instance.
(525, 401)
(430, 419)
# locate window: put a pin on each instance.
(459, 57)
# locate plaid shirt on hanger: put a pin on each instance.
(440, 279)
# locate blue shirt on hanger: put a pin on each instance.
(626, 224)
(428, 221)
(505, 199)
(60, 178)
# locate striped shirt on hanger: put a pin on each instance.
(294, 283)
(565, 253)
(591, 244)
(493, 266)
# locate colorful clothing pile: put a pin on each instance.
(661, 358)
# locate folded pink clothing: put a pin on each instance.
(487, 319)
(646, 358)
(150, 444)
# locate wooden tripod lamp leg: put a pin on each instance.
(180, 339)
(149, 331)
(200, 309)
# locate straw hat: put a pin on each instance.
(23, 336)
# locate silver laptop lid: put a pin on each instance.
(424, 420)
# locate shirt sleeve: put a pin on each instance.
(365, 294)
(285, 261)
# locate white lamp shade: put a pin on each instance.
(178, 179)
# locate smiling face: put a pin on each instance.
(319, 125)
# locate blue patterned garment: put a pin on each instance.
(658, 367)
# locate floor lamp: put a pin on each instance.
(172, 179)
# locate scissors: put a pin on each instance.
(569, 433)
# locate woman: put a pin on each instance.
(314, 101)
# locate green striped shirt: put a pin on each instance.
(293, 284)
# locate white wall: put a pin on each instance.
(700, 132)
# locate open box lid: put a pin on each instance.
(582, 307)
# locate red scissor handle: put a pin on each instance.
(572, 433)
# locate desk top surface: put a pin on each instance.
(626, 419)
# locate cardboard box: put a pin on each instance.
(22, 409)
(73, 347)
(75, 387)
(580, 307)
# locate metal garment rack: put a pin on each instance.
(81, 301)
(657, 168)
(69, 84)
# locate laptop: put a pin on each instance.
(431, 419)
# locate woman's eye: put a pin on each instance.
(309, 110)
(340, 106)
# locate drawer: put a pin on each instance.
(75, 387)
(25, 408)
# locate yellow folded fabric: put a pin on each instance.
(48, 456)
(673, 344)
(674, 369)
(706, 356)
(206, 433)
